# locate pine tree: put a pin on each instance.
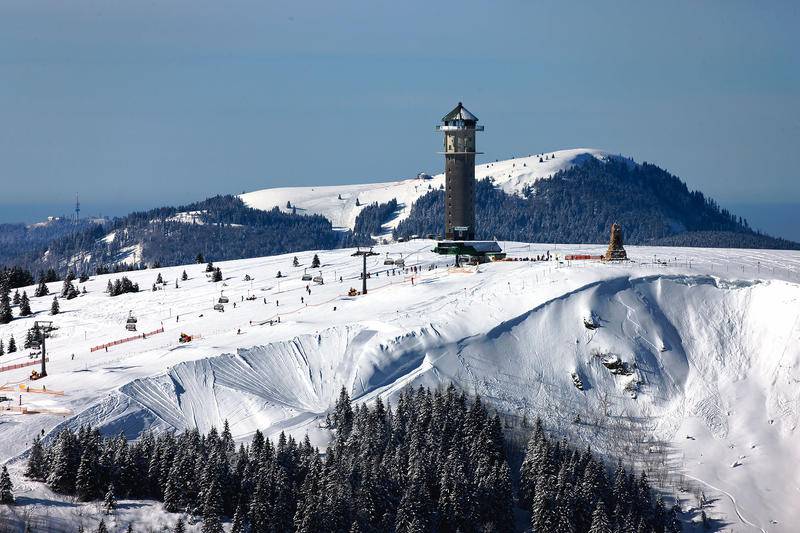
(12, 344)
(63, 464)
(455, 504)
(210, 267)
(673, 524)
(87, 480)
(5, 304)
(36, 468)
(212, 524)
(101, 527)
(295, 262)
(6, 488)
(67, 288)
(180, 527)
(238, 524)
(41, 289)
(159, 279)
(16, 297)
(343, 415)
(217, 276)
(2, 348)
(600, 519)
(24, 305)
(184, 276)
(315, 261)
(199, 259)
(110, 288)
(110, 500)
(54, 309)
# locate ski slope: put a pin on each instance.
(337, 203)
(710, 340)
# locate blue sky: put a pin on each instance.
(138, 104)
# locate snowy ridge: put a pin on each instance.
(337, 203)
(698, 356)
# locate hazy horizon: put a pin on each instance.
(137, 105)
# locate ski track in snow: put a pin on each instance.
(733, 501)
(507, 330)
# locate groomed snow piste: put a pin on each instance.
(691, 359)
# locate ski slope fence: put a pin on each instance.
(123, 341)
(22, 365)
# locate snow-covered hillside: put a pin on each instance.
(706, 344)
(337, 203)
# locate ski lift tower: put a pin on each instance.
(364, 253)
(44, 327)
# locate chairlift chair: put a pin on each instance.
(223, 299)
(388, 260)
(306, 276)
(130, 324)
(318, 280)
(219, 307)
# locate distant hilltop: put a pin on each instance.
(565, 196)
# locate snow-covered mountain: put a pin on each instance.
(337, 203)
(689, 359)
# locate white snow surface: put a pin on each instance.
(511, 175)
(711, 336)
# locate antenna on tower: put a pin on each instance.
(77, 208)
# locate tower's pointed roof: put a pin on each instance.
(459, 113)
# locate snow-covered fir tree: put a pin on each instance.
(5, 304)
(41, 289)
(180, 526)
(6, 488)
(37, 468)
(24, 305)
(433, 461)
(110, 500)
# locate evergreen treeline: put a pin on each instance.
(434, 462)
(219, 228)
(23, 245)
(372, 218)
(121, 286)
(579, 204)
